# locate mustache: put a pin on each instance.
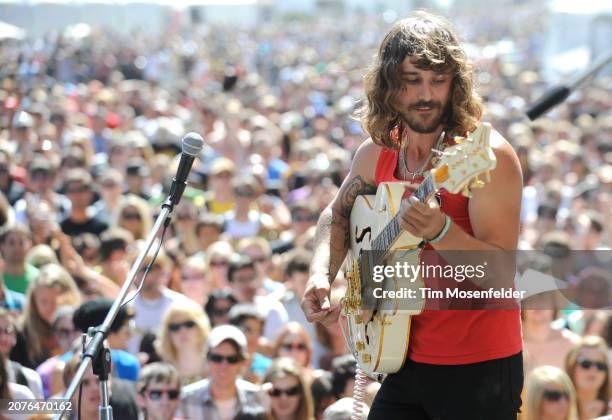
(426, 104)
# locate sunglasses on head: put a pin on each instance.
(218, 358)
(587, 364)
(156, 394)
(179, 325)
(218, 263)
(290, 392)
(293, 346)
(551, 395)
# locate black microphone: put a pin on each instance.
(558, 94)
(553, 97)
(192, 145)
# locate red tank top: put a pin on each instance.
(454, 337)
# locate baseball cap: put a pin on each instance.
(228, 332)
(222, 164)
(39, 163)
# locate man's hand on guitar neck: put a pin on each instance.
(316, 304)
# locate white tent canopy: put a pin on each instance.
(8, 31)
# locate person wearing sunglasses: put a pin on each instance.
(78, 187)
(259, 250)
(220, 197)
(218, 255)
(294, 342)
(218, 305)
(41, 176)
(185, 242)
(222, 395)
(588, 367)
(549, 395)
(290, 397)
(182, 337)
(134, 214)
(158, 391)
(251, 322)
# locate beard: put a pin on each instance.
(425, 122)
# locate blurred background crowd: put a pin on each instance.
(90, 127)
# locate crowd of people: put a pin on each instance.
(90, 129)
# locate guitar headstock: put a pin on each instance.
(460, 164)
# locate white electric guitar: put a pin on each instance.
(378, 336)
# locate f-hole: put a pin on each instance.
(359, 236)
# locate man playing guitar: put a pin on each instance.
(461, 364)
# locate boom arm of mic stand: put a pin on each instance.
(95, 344)
(559, 93)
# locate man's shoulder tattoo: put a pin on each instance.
(356, 186)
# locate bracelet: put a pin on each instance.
(438, 238)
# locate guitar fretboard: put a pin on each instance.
(389, 234)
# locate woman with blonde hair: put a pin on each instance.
(134, 215)
(549, 395)
(289, 391)
(589, 369)
(53, 287)
(182, 340)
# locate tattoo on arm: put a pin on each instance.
(356, 186)
(332, 235)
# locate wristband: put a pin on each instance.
(438, 238)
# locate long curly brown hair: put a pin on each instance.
(432, 44)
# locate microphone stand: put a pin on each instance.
(96, 352)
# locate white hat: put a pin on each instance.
(228, 332)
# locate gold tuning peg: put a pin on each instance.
(466, 191)
(477, 183)
(458, 139)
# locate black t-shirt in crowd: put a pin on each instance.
(94, 225)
